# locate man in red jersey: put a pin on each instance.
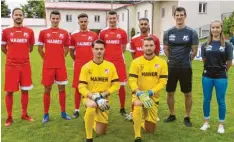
(17, 42)
(115, 42)
(55, 41)
(137, 41)
(81, 53)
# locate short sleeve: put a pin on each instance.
(195, 40)
(203, 52)
(4, 37)
(32, 38)
(157, 44)
(124, 38)
(67, 40)
(41, 38)
(101, 35)
(229, 51)
(132, 46)
(165, 38)
(72, 40)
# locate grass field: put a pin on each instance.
(59, 130)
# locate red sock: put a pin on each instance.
(77, 99)
(62, 100)
(24, 102)
(122, 96)
(9, 104)
(46, 99)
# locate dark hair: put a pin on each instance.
(55, 12)
(112, 13)
(179, 9)
(149, 38)
(144, 19)
(98, 41)
(13, 11)
(82, 15)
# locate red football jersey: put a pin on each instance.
(114, 39)
(18, 41)
(54, 41)
(137, 43)
(82, 43)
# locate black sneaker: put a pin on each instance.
(171, 118)
(187, 122)
(75, 114)
(138, 139)
(89, 140)
(123, 112)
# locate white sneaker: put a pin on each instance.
(205, 126)
(128, 117)
(221, 129)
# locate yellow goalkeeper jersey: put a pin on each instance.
(98, 78)
(148, 74)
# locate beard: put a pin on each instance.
(144, 30)
(149, 53)
(18, 21)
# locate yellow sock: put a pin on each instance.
(137, 117)
(89, 120)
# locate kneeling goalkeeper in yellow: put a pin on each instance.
(147, 76)
(98, 79)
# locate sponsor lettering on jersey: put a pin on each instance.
(112, 41)
(172, 37)
(100, 79)
(84, 43)
(54, 41)
(149, 73)
(18, 40)
(139, 48)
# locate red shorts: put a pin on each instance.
(121, 70)
(54, 75)
(18, 75)
(76, 76)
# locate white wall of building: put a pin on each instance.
(167, 21)
(73, 25)
(226, 6)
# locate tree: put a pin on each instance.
(229, 25)
(34, 9)
(5, 11)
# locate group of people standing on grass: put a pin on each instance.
(99, 69)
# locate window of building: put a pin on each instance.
(69, 18)
(163, 13)
(173, 9)
(146, 13)
(202, 7)
(122, 16)
(138, 15)
(97, 18)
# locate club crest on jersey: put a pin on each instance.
(156, 66)
(90, 38)
(172, 37)
(89, 71)
(185, 38)
(118, 36)
(106, 71)
(11, 34)
(141, 67)
(61, 36)
(25, 34)
(221, 49)
(209, 48)
(48, 35)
